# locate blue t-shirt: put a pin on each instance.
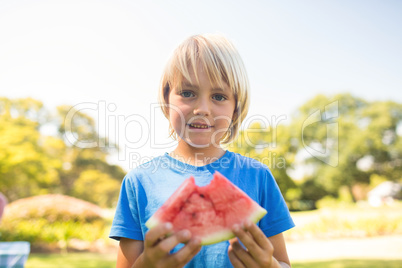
(148, 186)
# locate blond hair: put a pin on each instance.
(221, 61)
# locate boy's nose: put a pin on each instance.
(202, 107)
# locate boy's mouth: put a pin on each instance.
(197, 125)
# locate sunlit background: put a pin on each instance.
(72, 52)
(106, 58)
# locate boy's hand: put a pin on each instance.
(157, 247)
(258, 252)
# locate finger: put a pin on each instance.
(236, 262)
(185, 254)
(166, 245)
(154, 234)
(243, 255)
(257, 234)
(231, 241)
(263, 250)
(248, 241)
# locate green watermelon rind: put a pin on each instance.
(218, 236)
(227, 234)
(152, 222)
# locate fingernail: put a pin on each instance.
(186, 234)
(247, 223)
(236, 228)
(168, 226)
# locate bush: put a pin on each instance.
(332, 202)
(97, 187)
(53, 208)
(342, 222)
(50, 222)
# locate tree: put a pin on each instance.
(349, 139)
(272, 146)
(96, 187)
(25, 168)
(33, 162)
(77, 158)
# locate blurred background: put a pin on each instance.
(78, 109)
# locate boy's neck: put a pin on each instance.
(197, 156)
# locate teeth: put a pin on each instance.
(198, 126)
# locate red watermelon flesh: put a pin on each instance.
(208, 212)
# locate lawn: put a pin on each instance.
(353, 221)
(71, 260)
(327, 224)
(350, 264)
(89, 260)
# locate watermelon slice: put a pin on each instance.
(208, 212)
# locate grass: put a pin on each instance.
(349, 222)
(349, 264)
(71, 260)
(89, 260)
(324, 223)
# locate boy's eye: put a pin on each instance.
(186, 94)
(219, 97)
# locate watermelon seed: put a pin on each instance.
(202, 195)
(193, 215)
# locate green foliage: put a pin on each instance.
(312, 190)
(93, 260)
(24, 168)
(360, 139)
(347, 263)
(35, 163)
(342, 220)
(376, 180)
(345, 140)
(40, 231)
(270, 145)
(359, 143)
(96, 187)
(72, 260)
(332, 202)
(52, 208)
(52, 220)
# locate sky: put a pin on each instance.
(106, 57)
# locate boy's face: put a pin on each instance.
(201, 113)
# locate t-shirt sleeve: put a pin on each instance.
(126, 222)
(278, 218)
